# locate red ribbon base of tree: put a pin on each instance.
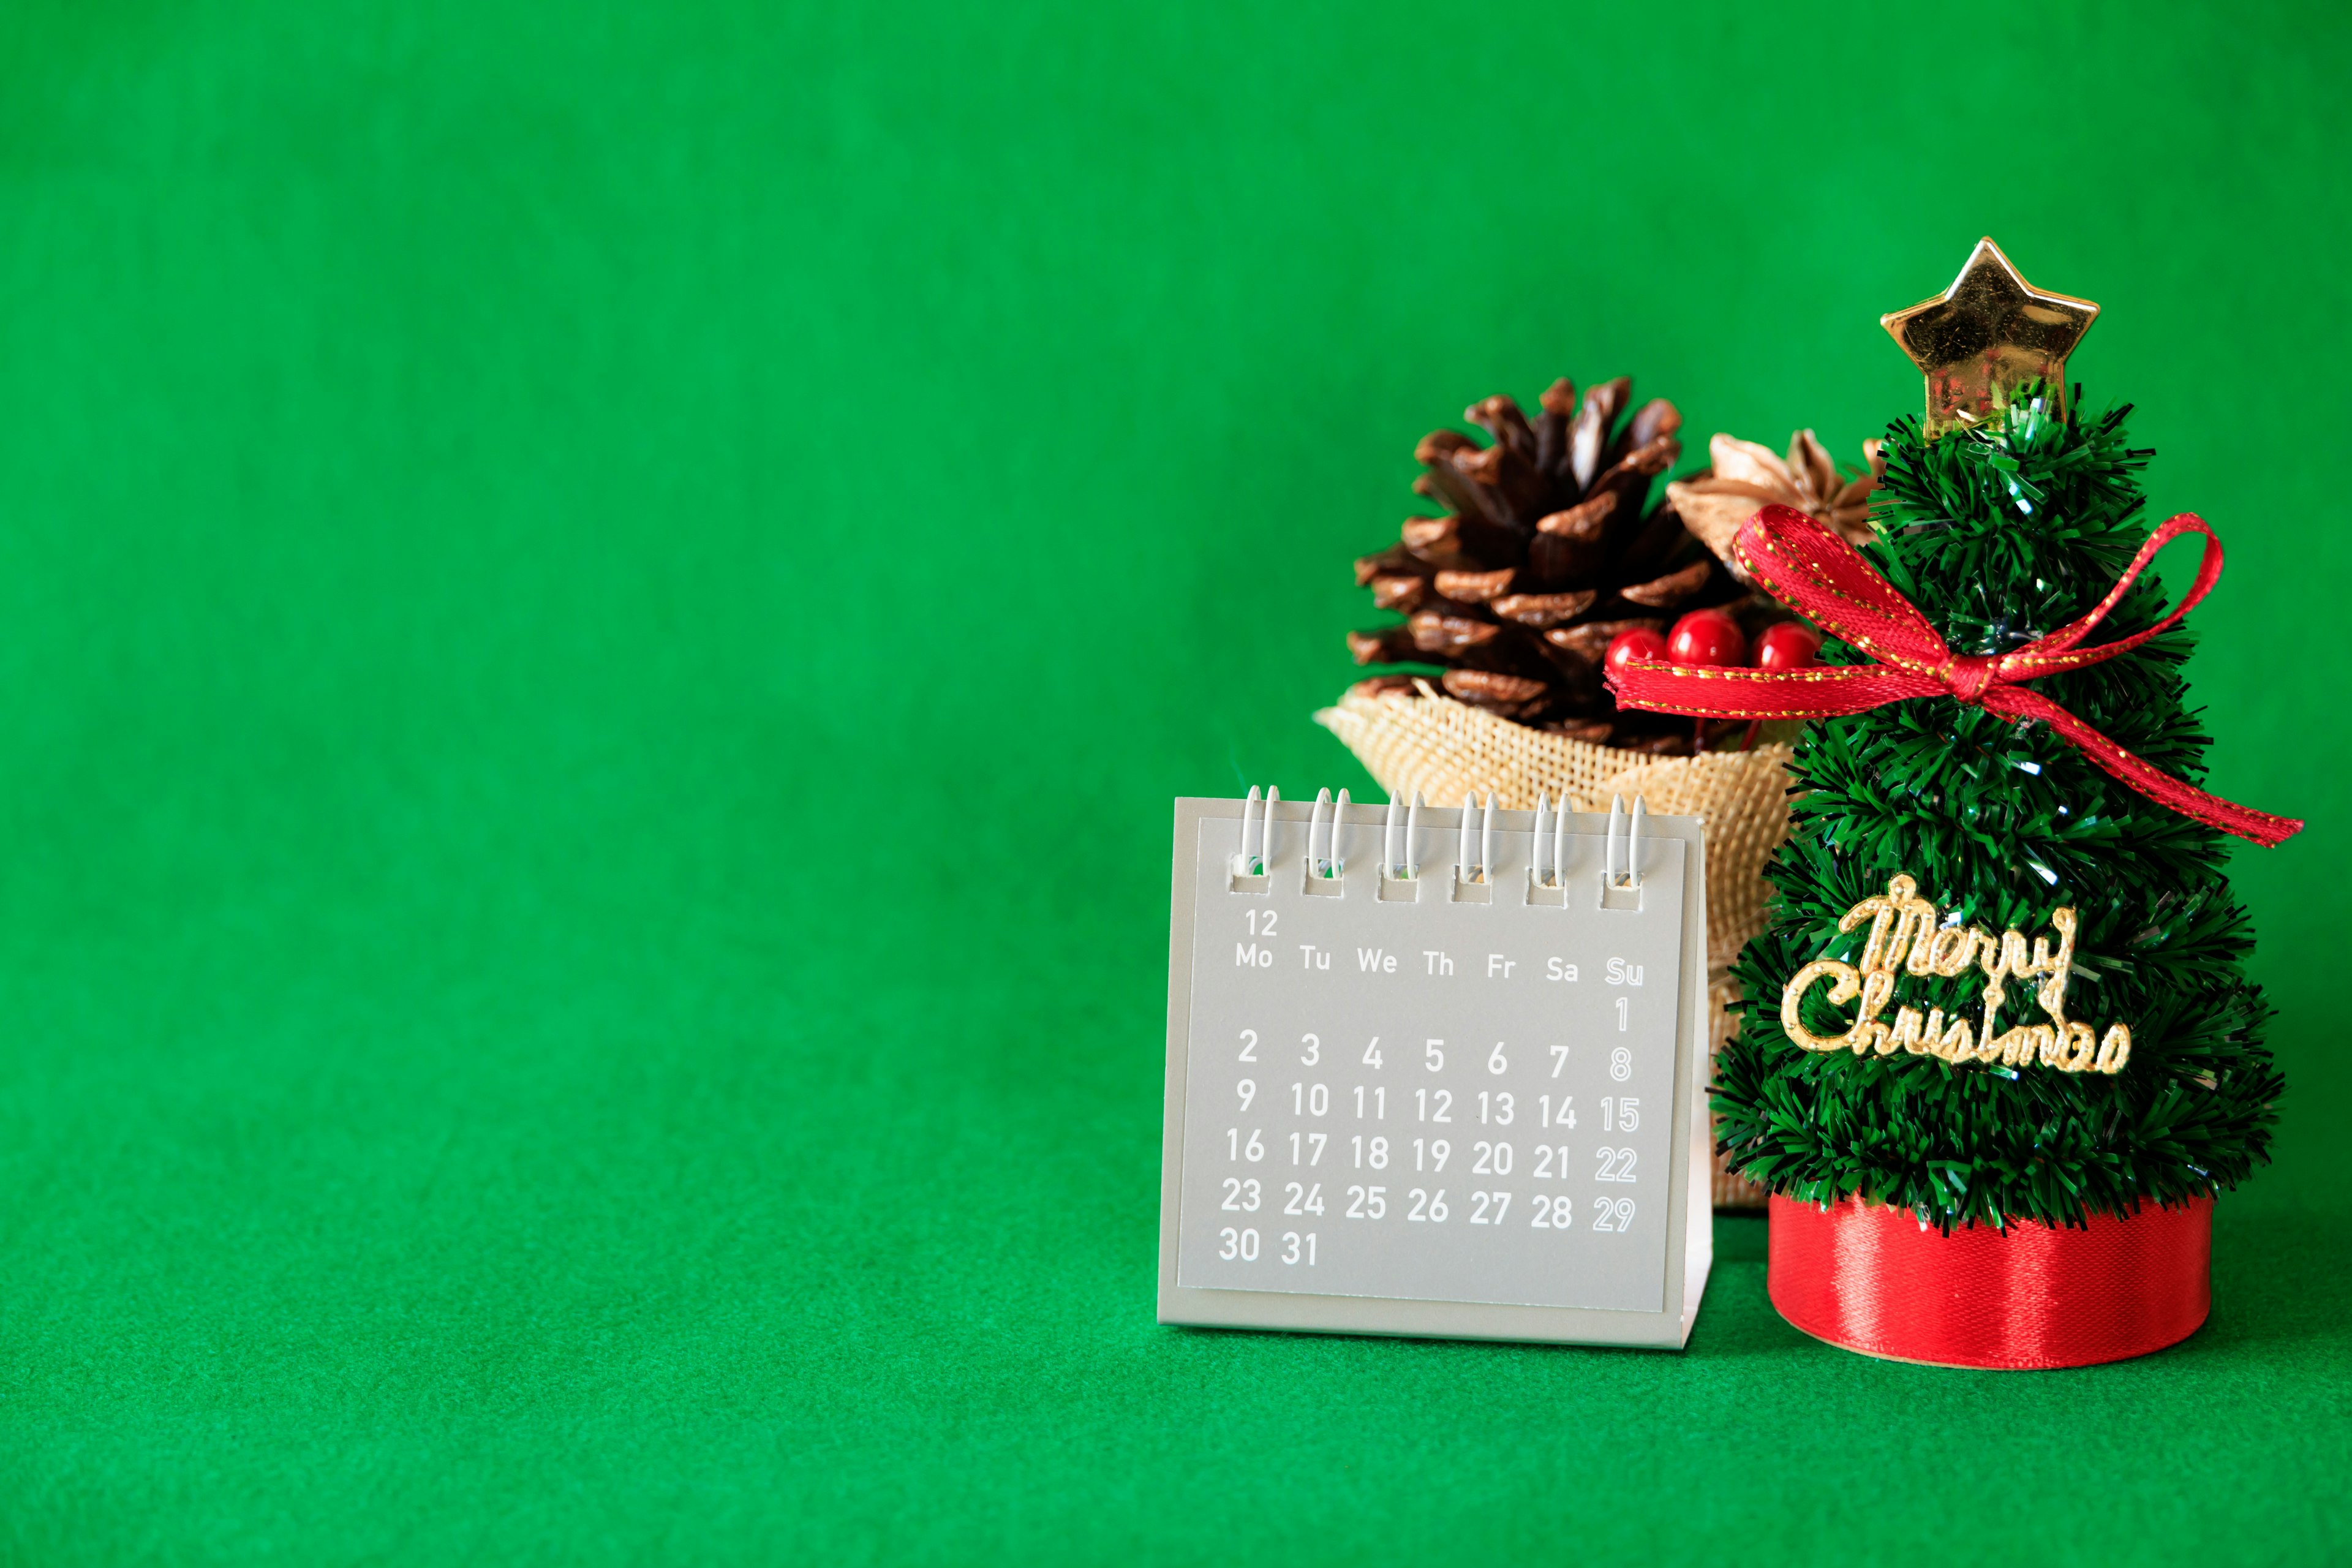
(1871, 1278)
(1814, 572)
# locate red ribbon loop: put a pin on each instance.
(1812, 570)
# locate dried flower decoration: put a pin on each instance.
(1745, 478)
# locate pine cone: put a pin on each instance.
(1550, 548)
(1746, 477)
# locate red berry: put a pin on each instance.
(1638, 643)
(1707, 636)
(1787, 645)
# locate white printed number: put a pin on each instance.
(1424, 1207)
(1612, 1213)
(1554, 1214)
(1241, 1193)
(1241, 1244)
(1367, 1203)
(1616, 1165)
(1295, 1249)
(1489, 1208)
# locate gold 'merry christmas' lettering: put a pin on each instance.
(1906, 937)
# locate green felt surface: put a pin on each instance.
(602, 606)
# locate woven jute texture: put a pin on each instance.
(1427, 742)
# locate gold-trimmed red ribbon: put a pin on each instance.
(1812, 570)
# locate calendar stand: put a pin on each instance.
(1436, 1073)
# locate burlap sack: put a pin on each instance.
(1425, 740)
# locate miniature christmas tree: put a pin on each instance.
(2002, 981)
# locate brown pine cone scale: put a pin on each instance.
(1543, 610)
(1476, 587)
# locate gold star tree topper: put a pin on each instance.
(1987, 335)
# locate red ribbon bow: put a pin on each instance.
(1815, 572)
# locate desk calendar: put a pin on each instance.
(1435, 1072)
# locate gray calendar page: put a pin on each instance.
(1420, 1096)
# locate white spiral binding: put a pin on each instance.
(1329, 865)
(1263, 863)
(1475, 863)
(1397, 864)
(1625, 872)
(1558, 876)
(1484, 842)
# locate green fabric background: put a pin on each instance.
(602, 610)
